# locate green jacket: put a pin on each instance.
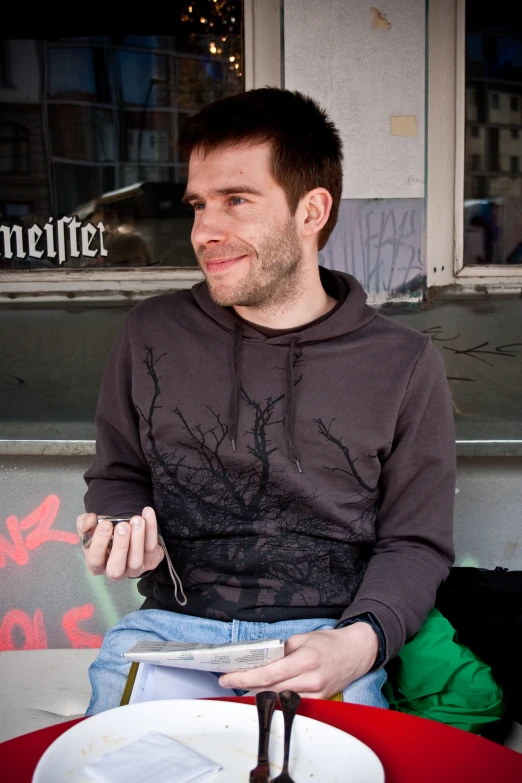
(435, 677)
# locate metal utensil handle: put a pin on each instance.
(290, 701)
(266, 702)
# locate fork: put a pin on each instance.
(266, 702)
(290, 701)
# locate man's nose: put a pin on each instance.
(209, 226)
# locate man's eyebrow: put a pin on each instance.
(227, 191)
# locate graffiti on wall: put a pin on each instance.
(33, 633)
(379, 241)
(40, 523)
(48, 599)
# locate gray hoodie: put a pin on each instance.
(303, 475)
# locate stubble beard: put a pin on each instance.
(275, 277)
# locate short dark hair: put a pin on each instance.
(306, 145)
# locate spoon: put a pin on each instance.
(290, 701)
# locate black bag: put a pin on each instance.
(485, 608)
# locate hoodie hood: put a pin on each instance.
(351, 315)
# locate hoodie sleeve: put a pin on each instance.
(119, 481)
(413, 551)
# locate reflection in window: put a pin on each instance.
(14, 148)
(6, 79)
(101, 136)
(144, 79)
(150, 136)
(492, 175)
(81, 133)
(16, 210)
(78, 74)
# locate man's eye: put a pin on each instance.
(197, 206)
(236, 199)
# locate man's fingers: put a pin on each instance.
(286, 668)
(151, 529)
(85, 522)
(96, 554)
(117, 562)
(136, 554)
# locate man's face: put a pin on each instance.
(245, 239)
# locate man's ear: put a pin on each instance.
(316, 206)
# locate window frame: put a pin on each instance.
(263, 66)
(445, 162)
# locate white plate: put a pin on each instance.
(226, 732)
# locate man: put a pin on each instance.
(293, 448)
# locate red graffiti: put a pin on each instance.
(79, 637)
(41, 519)
(34, 634)
(33, 630)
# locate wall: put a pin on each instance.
(366, 66)
(379, 242)
(47, 597)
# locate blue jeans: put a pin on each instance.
(109, 671)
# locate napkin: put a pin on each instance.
(154, 758)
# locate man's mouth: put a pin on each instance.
(214, 265)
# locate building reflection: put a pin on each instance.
(493, 140)
(89, 127)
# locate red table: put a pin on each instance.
(411, 749)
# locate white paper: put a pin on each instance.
(234, 657)
(155, 758)
(156, 683)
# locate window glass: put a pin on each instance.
(89, 129)
(493, 143)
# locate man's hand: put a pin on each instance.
(135, 548)
(317, 665)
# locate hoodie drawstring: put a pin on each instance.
(233, 411)
(289, 405)
(173, 573)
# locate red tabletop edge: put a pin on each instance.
(411, 749)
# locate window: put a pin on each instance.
(103, 140)
(475, 131)
(14, 149)
(493, 66)
(474, 231)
